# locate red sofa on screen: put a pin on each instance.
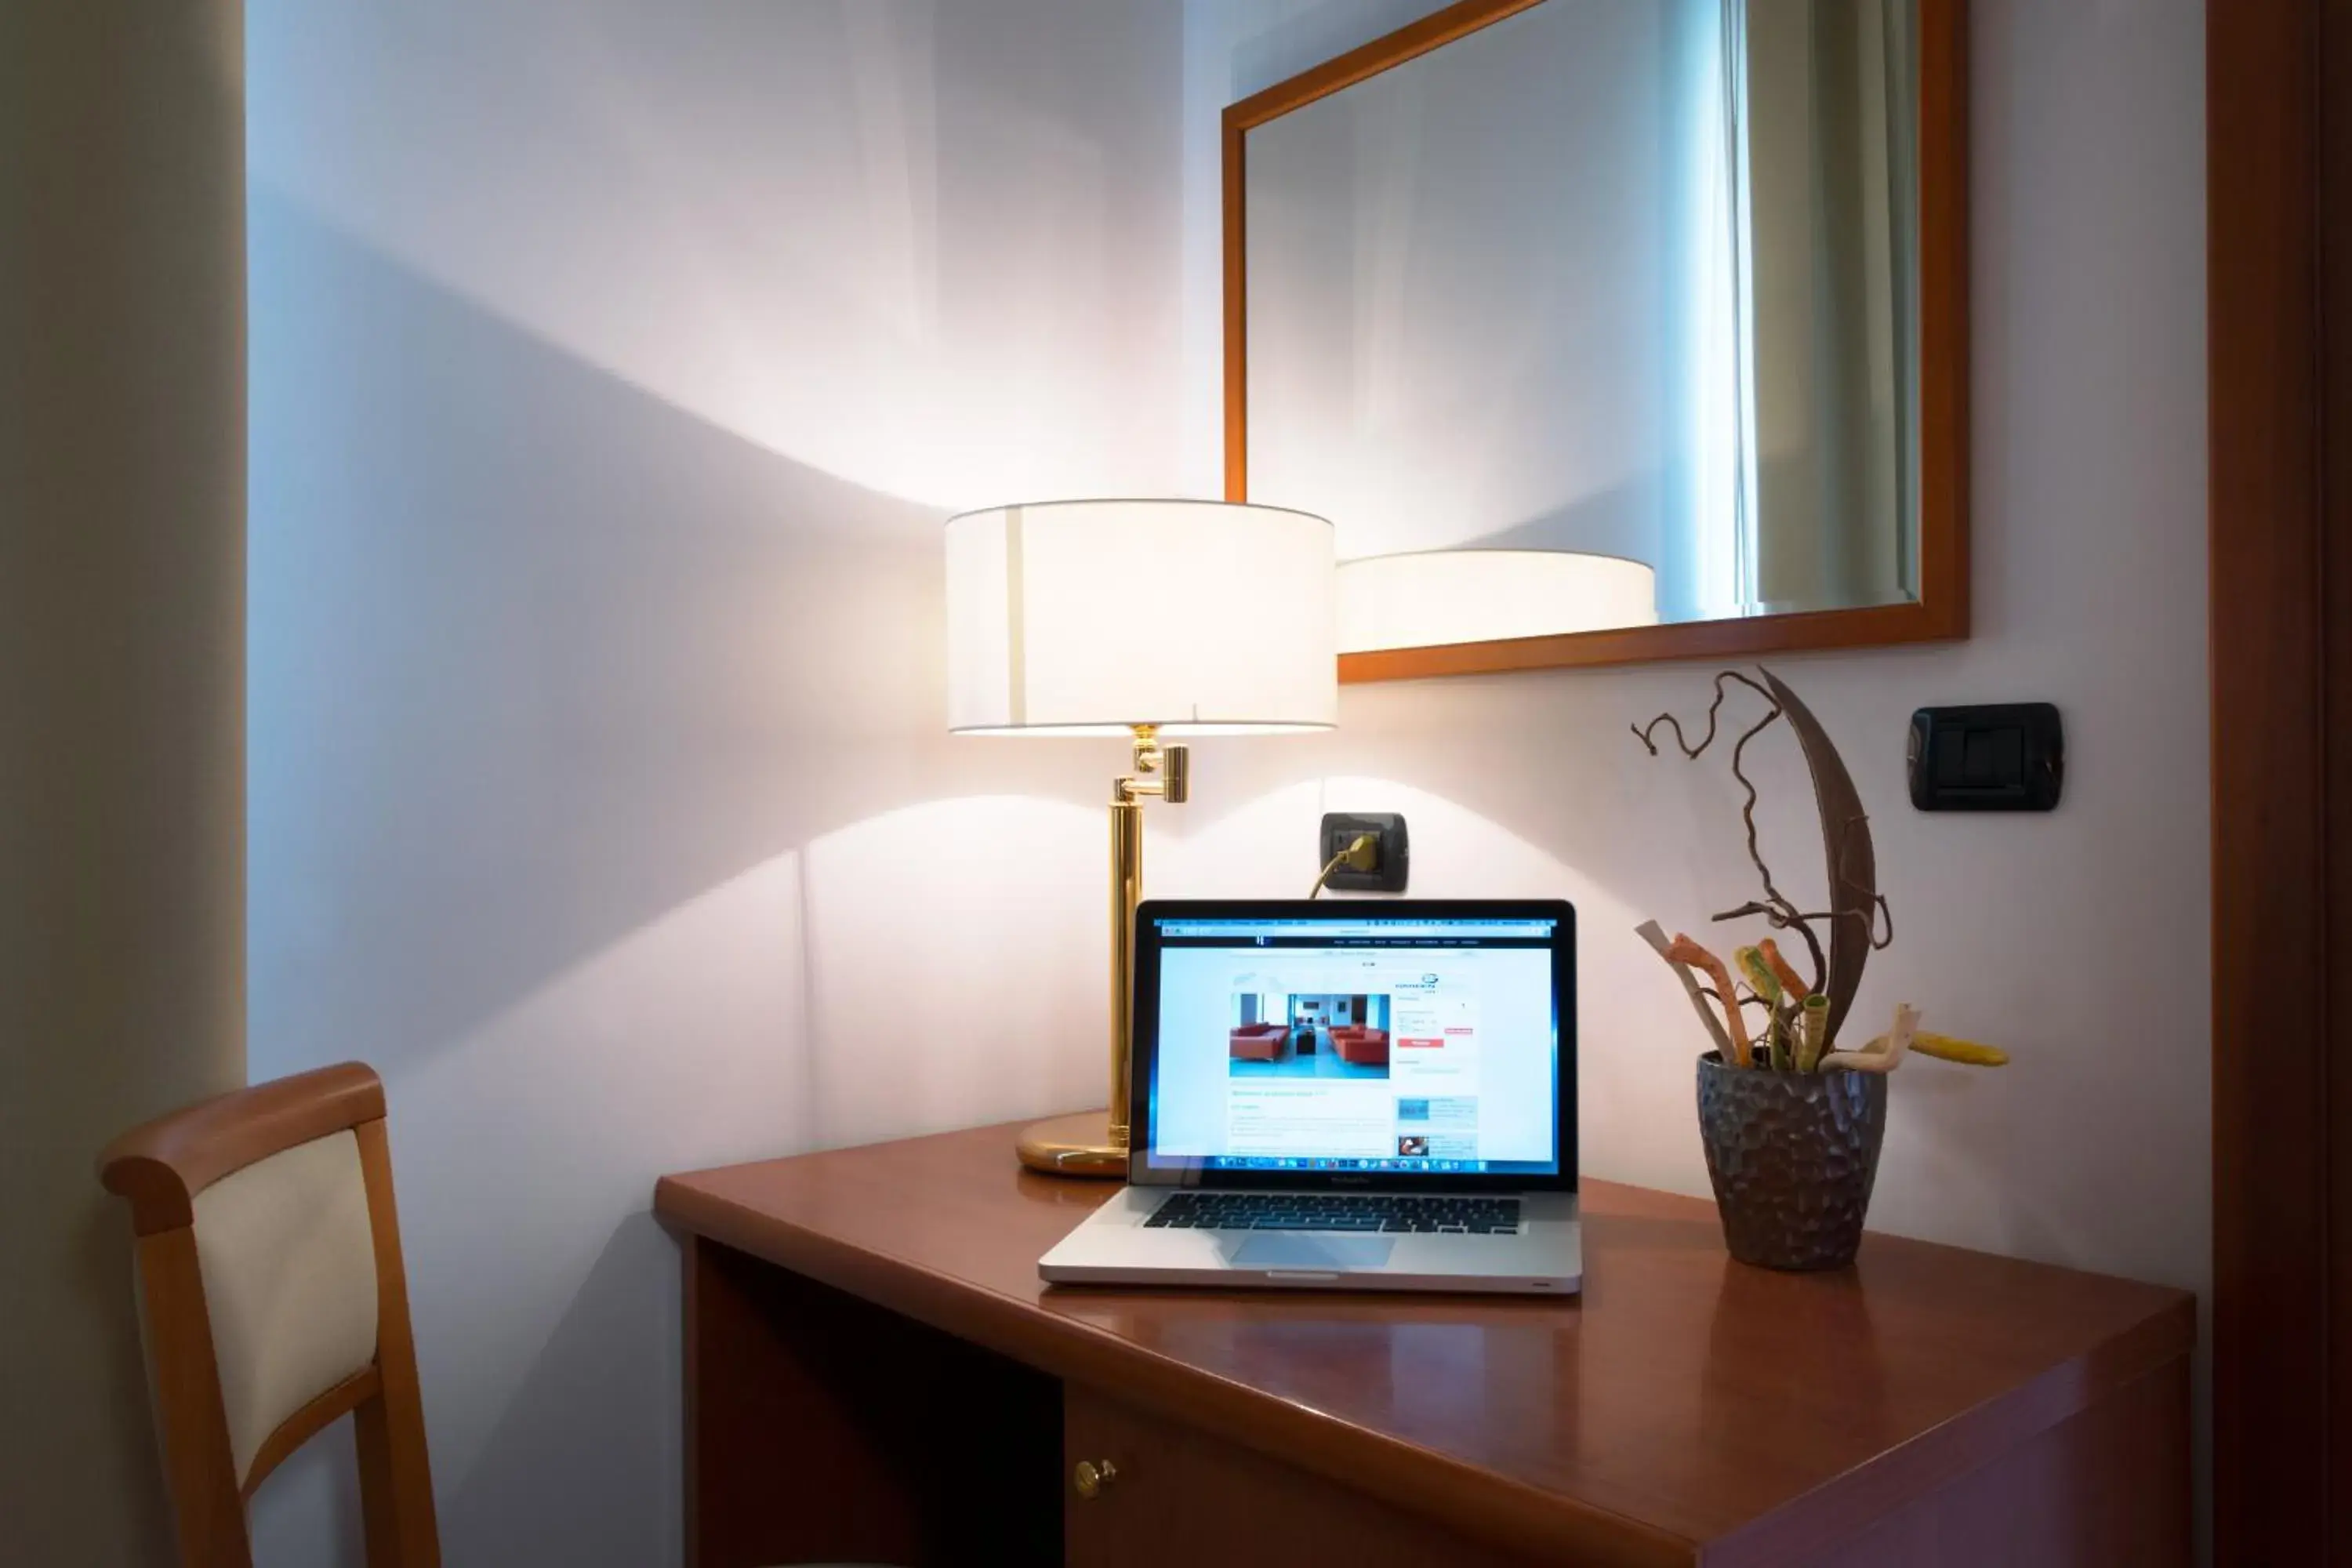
(1260, 1042)
(1362, 1047)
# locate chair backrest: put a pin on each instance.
(273, 1300)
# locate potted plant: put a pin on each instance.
(1791, 1119)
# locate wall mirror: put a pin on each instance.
(1612, 329)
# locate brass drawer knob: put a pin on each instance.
(1093, 1475)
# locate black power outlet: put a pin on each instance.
(1392, 849)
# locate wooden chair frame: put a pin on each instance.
(159, 1168)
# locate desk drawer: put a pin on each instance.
(1166, 1496)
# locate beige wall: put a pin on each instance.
(122, 702)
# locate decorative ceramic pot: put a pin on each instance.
(1792, 1156)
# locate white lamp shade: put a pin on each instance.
(1088, 617)
(1434, 597)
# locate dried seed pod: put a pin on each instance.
(1685, 951)
(1883, 1054)
(1654, 934)
(1786, 973)
(1758, 974)
(1813, 1036)
(1944, 1047)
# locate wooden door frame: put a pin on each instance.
(2280, 377)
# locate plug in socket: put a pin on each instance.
(1394, 850)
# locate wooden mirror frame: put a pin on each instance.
(1941, 611)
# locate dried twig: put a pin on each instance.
(1750, 1000)
(1858, 921)
(1884, 911)
(1642, 732)
(1775, 907)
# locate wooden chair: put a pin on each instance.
(274, 1300)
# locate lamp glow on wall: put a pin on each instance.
(1433, 597)
(1148, 620)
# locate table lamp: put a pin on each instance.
(1149, 620)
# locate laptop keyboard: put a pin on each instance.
(1438, 1214)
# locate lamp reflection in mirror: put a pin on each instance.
(1432, 597)
(1148, 619)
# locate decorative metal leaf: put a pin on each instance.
(1845, 839)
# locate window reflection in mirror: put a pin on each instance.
(1626, 284)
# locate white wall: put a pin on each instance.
(2078, 940)
(613, 366)
(610, 371)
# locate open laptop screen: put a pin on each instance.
(1327, 1043)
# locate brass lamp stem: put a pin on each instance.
(1096, 1145)
(1126, 893)
(1174, 784)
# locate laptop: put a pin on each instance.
(1354, 1096)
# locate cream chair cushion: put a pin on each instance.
(288, 1266)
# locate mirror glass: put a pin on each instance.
(1603, 314)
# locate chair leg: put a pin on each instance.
(395, 1489)
(395, 1476)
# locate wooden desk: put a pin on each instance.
(875, 1372)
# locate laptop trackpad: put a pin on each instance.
(1308, 1249)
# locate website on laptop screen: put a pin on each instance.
(1346, 1045)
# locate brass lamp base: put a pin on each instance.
(1078, 1145)
(1094, 1143)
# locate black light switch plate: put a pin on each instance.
(1340, 830)
(2002, 757)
